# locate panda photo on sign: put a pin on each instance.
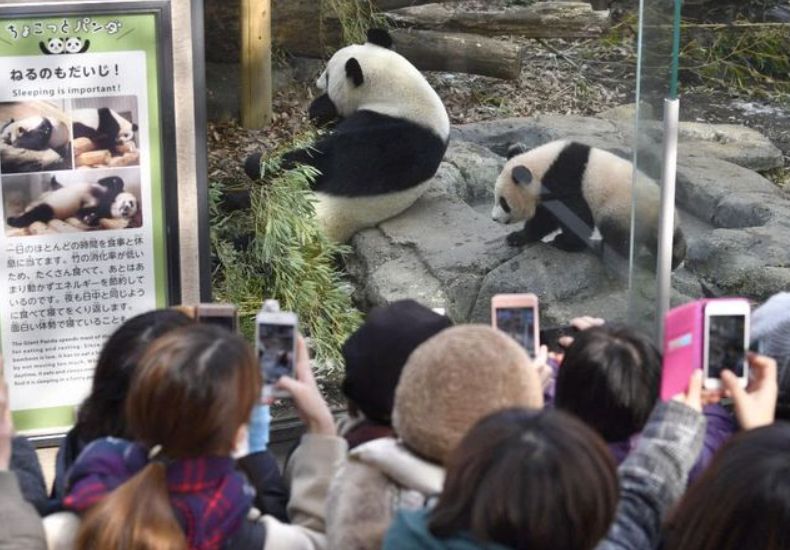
(34, 136)
(391, 136)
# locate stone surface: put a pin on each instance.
(445, 251)
(703, 183)
(752, 262)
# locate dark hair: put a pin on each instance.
(741, 501)
(193, 389)
(102, 414)
(610, 378)
(529, 480)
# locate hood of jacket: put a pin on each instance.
(395, 461)
(409, 531)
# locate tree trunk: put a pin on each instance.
(385, 5)
(297, 28)
(460, 53)
(541, 20)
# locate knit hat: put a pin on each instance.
(456, 378)
(377, 352)
(770, 333)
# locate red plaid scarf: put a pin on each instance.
(209, 498)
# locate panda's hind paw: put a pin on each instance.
(517, 238)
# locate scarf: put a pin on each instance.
(209, 498)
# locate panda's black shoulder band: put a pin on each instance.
(380, 37)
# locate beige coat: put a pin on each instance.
(20, 524)
(379, 478)
(310, 473)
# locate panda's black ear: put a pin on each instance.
(521, 175)
(516, 149)
(380, 37)
(354, 72)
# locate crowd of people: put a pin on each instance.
(454, 438)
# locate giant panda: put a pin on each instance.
(576, 188)
(105, 128)
(35, 133)
(89, 202)
(391, 137)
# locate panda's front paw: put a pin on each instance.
(517, 238)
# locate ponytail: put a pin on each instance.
(135, 516)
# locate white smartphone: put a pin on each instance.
(223, 315)
(275, 343)
(726, 333)
(517, 316)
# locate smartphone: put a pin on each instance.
(726, 330)
(517, 316)
(223, 315)
(275, 343)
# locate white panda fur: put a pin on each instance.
(15, 131)
(605, 183)
(389, 143)
(393, 87)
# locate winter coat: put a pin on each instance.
(271, 494)
(312, 469)
(652, 478)
(20, 524)
(409, 531)
(379, 478)
(25, 464)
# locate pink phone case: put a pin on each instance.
(683, 340)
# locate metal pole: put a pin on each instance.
(666, 218)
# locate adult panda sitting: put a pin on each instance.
(391, 137)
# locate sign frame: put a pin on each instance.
(183, 127)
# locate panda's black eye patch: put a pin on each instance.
(505, 206)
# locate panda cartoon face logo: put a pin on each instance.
(72, 44)
(75, 44)
(54, 45)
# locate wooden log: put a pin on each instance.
(82, 145)
(77, 223)
(460, 53)
(541, 20)
(384, 5)
(60, 226)
(127, 159)
(93, 158)
(112, 223)
(256, 63)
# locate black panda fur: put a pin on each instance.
(110, 131)
(89, 202)
(563, 183)
(370, 157)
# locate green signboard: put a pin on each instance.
(87, 183)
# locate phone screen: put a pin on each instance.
(519, 324)
(224, 321)
(726, 344)
(275, 351)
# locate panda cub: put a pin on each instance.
(35, 133)
(105, 128)
(390, 139)
(575, 188)
(89, 202)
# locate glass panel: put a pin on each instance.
(656, 98)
